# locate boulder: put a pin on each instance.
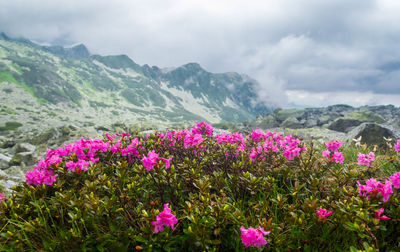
(4, 161)
(15, 173)
(373, 133)
(291, 123)
(324, 119)
(343, 124)
(7, 144)
(22, 159)
(311, 122)
(25, 147)
(268, 122)
(45, 137)
(282, 115)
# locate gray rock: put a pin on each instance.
(25, 147)
(372, 134)
(16, 173)
(268, 122)
(22, 159)
(324, 119)
(291, 123)
(8, 184)
(7, 144)
(4, 161)
(310, 123)
(3, 175)
(344, 124)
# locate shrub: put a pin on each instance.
(192, 190)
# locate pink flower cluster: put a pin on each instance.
(252, 237)
(203, 128)
(395, 179)
(334, 145)
(42, 173)
(165, 218)
(373, 187)
(2, 197)
(236, 139)
(152, 159)
(273, 142)
(77, 157)
(332, 152)
(193, 140)
(397, 146)
(365, 159)
(323, 214)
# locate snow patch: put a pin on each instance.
(192, 104)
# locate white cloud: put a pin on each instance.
(307, 46)
(356, 99)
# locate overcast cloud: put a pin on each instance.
(303, 53)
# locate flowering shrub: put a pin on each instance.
(106, 194)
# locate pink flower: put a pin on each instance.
(150, 161)
(257, 135)
(379, 213)
(2, 197)
(167, 162)
(40, 177)
(395, 178)
(365, 159)
(372, 188)
(386, 190)
(165, 218)
(70, 165)
(397, 146)
(203, 128)
(252, 237)
(338, 157)
(326, 153)
(323, 214)
(334, 145)
(191, 141)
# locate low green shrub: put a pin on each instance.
(10, 126)
(106, 195)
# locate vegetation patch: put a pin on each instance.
(10, 126)
(194, 190)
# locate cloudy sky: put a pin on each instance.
(302, 52)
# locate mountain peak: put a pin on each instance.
(76, 52)
(193, 66)
(4, 36)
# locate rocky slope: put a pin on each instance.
(51, 86)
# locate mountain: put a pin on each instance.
(51, 85)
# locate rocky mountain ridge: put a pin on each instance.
(57, 86)
(341, 118)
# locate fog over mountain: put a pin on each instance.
(303, 53)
